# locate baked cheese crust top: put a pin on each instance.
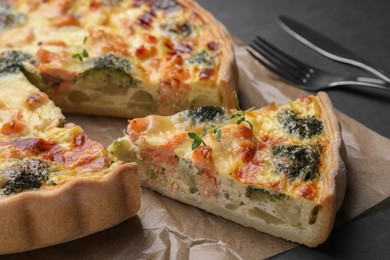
(121, 58)
(270, 168)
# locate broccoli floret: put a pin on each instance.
(207, 114)
(178, 29)
(156, 5)
(259, 194)
(112, 2)
(298, 161)
(20, 62)
(184, 29)
(110, 74)
(14, 61)
(8, 19)
(202, 58)
(303, 127)
(29, 174)
(111, 61)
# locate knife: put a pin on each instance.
(327, 47)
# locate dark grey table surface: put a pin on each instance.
(362, 26)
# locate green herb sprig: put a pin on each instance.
(84, 53)
(238, 117)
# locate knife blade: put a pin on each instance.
(327, 47)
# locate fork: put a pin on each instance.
(304, 75)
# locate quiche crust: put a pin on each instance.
(36, 219)
(335, 181)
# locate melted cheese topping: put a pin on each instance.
(244, 156)
(175, 55)
(29, 130)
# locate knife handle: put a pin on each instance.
(338, 52)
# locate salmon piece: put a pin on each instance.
(136, 127)
(44, 56)
(165, 154)
(173, 89)
(207, 185)
(143, 52)
(202, 159)
(65, 21)
(178, 73)
(64, 5)
(107, 42)
(173, 69)
(150, 38)
(155, 63)
(206, 181)
(14, 126)
(54, 43)
(306, 99)
(86, 154)
(162, 155)
(206, 73)
(95, 5)
(56, 73)
(36, 100)
(170, 92)
(307, 190)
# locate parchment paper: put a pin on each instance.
(166, 229)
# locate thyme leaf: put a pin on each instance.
(77, 56)
(83, 54)
(219, 135)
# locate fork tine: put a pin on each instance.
(276, 64)
(281, 59)
(294, 62)
(273, 68)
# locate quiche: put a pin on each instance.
(127, 58)
(277, 169)
(56, 184)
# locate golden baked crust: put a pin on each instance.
(278, 169)
(157, 57)
(334, 185)
(37, 219)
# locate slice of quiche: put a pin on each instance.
(127, 58)
(275, 169)
(56, 184)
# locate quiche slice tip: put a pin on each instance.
(277, 169)
(56, 184)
